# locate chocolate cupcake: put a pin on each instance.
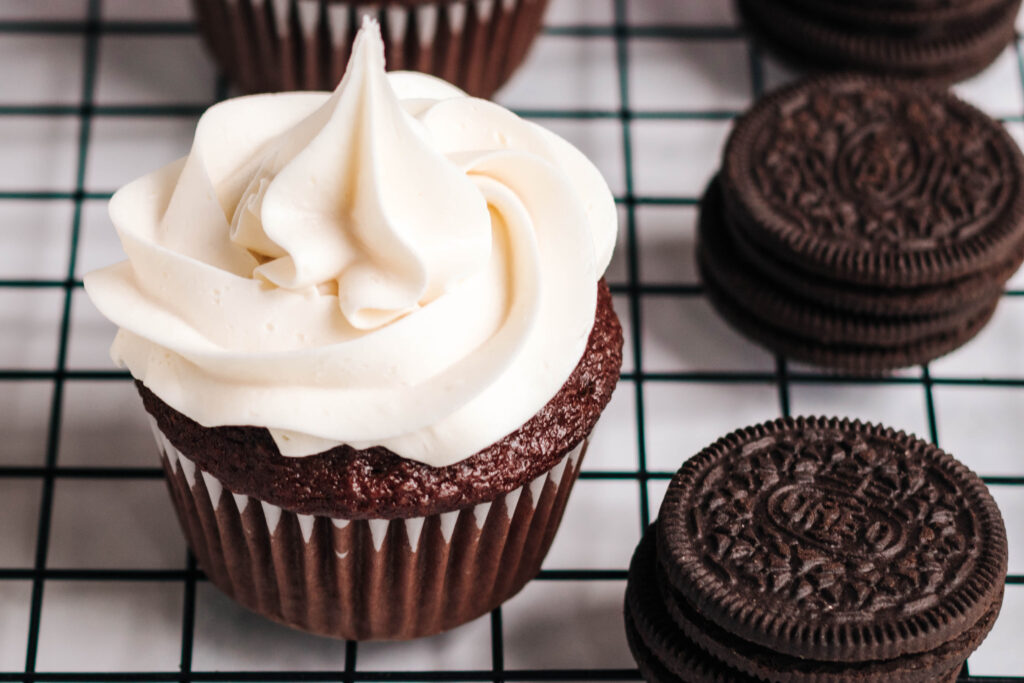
(370, 331)
(272, 45)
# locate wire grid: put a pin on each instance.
(633, 289)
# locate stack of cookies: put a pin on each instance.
(944, 40)
(816, 549)
(862, 224)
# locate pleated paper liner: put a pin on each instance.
(274, 45)
(368, 579)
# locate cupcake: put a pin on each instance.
(371, 333)
(271, 45)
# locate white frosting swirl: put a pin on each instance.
(393, 264)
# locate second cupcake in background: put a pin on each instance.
(371, 333)
(271, 45)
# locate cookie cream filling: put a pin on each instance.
(392, 264)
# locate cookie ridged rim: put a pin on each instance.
(657, 636)
(982, 43)
(978, 253)
(859, 360)
(919, 632)
(652, 669)
(764, 663)
(958, 68)
(655, 633)
(965, 293)
(761, 298)
(889, 16)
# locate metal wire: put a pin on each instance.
(92, 28)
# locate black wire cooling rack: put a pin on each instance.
(633, 296)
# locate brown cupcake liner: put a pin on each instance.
(371, 579)
(274, 45)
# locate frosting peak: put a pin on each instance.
(354, 200)
(393, 264)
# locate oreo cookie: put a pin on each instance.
(815, 549)
(862, 224)
(727, 269)
(933, 41)
(663, 653)
(846, 357)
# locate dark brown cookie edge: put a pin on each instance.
(774, 306)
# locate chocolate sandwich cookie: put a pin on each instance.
(833, 540)
(853, 358)
(912, 18)
(935, 44)
(947, 297)
(663, 653)
(876, 182)
(766, 664)
(862, 223)
(808, 550)
(726, 268)
(672, 643)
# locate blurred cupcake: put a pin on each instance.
(370, 330)
(272, 45)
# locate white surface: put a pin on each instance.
(156, 69)
(618, 269)
(561, 625)
(133, 10)
(997, 90)
(39, 153)
(127, 523)
(982, 425)
(139, 529)
(98, 245)
(29, 327)
(110, 626)
(623, 309)
(613, 507)
(49, 69)
(683, 417)
(666, 236)
(684, 334)
(123, 148)
(91, 333)
(1011, 503)
(564, 72)
(900, 406)
(581, 12)
(676, 158)
(592, 136)
(19, 505)
(662, 12)
(23, 405)
(33, 234)
(1001, 653)
(700, 75)
(62, 10)
(613, 445)
(15, 596)
(102, 426)
(229, 639)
